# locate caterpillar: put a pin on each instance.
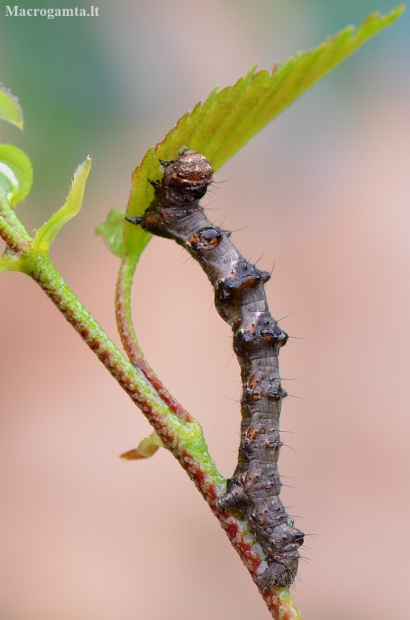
(240, 299)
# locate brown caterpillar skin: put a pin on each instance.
(240, 300)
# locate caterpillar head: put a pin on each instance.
(187, 178)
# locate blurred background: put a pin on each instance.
(323, 194)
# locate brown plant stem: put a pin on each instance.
(13, 238)
(129, 339)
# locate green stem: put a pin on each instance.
(10, 217)
(129, 339)
(14, 240)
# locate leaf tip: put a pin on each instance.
(384, 20)
(85, 165)
(399, 10)
(131, 455)
(81, 171)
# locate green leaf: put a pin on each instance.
(16, 173)
(135, 238)
(112, 232)
(10, 109)
(47, 233)
(146, 448)
(221, 125)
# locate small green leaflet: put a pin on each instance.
(112, 232)
(48, 231)
(146, 448)
(10, 109)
